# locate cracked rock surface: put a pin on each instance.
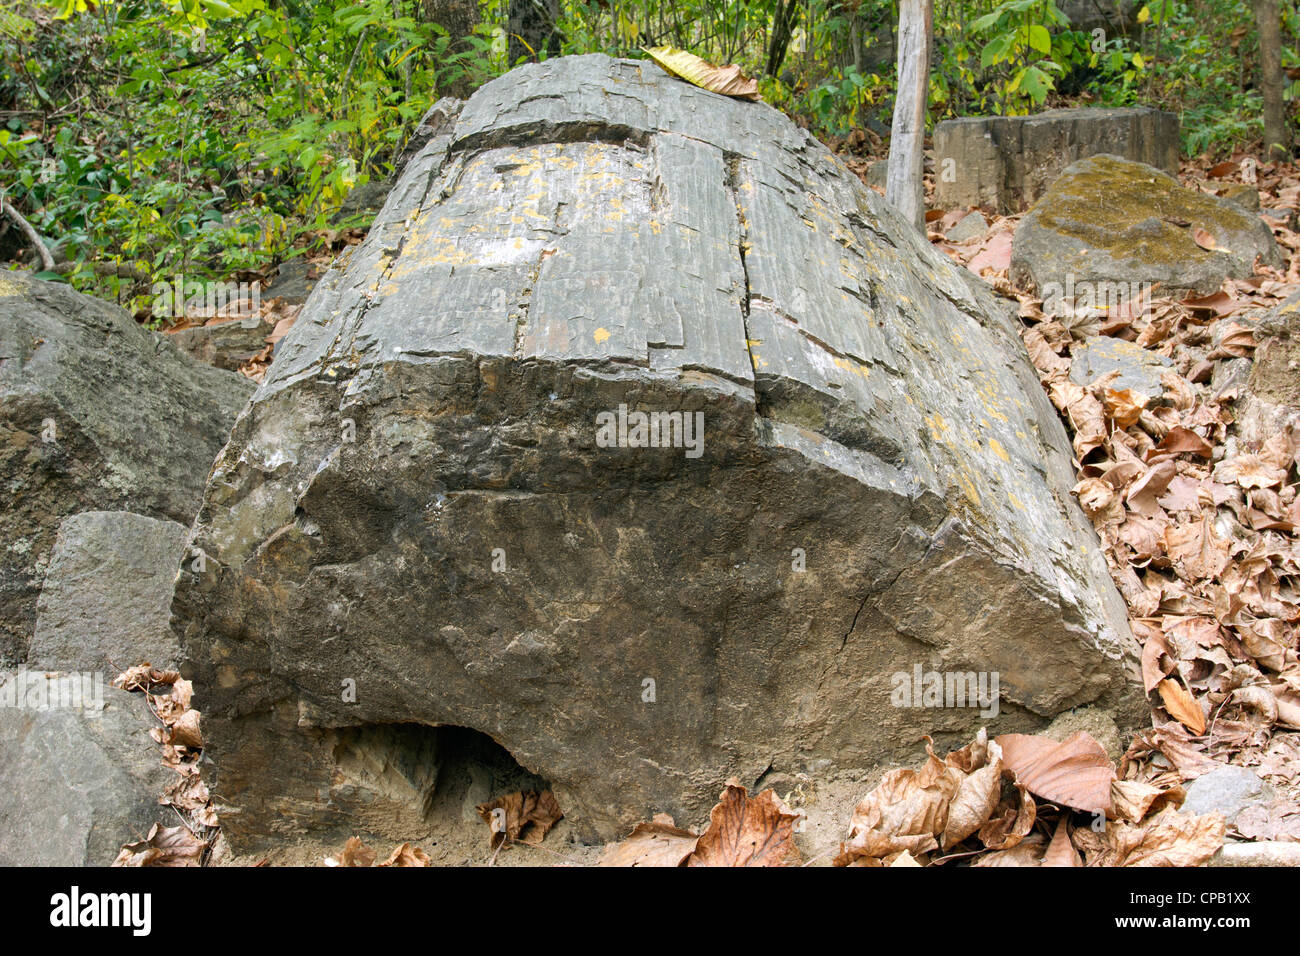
(415, 505)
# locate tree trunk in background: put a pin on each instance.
(1268, 22)
(531, 26)
(903, 186)
(458, 18)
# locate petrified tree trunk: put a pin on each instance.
(643, 438)
(904, 187)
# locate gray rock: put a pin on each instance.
(1228, 790)
(229, 345)
(96, 413)
(1124, 225)
(418, 519)
(106, 601)
(1139, 369)
(1007, 162)
(969, 226)
(79, 781)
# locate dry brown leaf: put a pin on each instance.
(354, 853)
(1061, 852)
(747, 832)
(407, 855)
(1182, 706)
(184, 730)
(727, 80)
(526, 816)
(657, 843)
(907, 811)
(1133, 799)
(164, 846)
(1074, 773)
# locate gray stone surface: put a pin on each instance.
(1139, 369)
(78, 781)
(132, 424)
(1228, 790)
(106, 601)
(882, 482)
(1109, 220)
(1007, 162)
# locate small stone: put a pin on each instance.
(1228, 790)
(1140, 369)
(968, 227)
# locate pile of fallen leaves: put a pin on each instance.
(1025, 800)
(186, 844)
(1199, 526)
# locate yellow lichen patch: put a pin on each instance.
(998, 449)
(857, 368)
(9, 288)
(601, 335)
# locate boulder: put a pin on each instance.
(96, 413)
(1120, 225)
(106, 601)
(1007, 162)
(80, 778)
(444, 506)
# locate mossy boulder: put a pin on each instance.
(1110, 220)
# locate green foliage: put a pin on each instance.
(205, 136)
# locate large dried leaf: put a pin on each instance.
(657, 843)
(1182, 706)
(907, 811)
(1074, 772)
(727, 80)
(747, 832)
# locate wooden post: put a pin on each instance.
(903, 187)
